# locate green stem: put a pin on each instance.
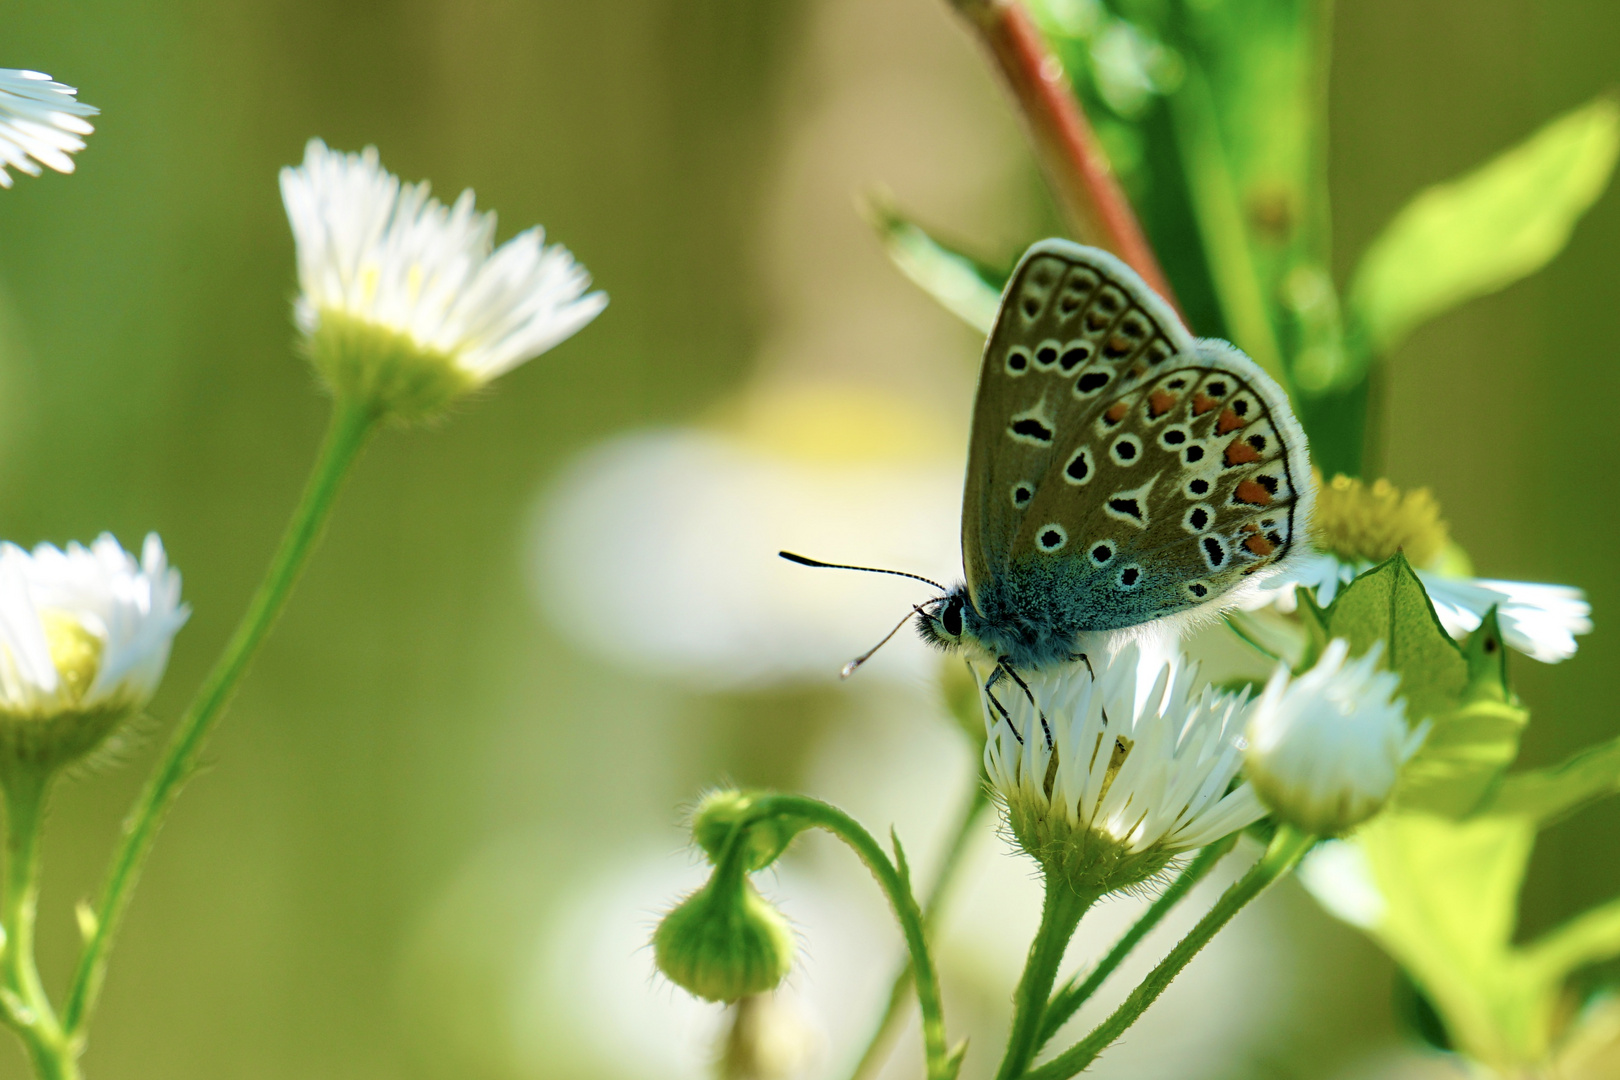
(1218, 210)
(27, 1007)
(877, 1049)
(1287, 848)
(1067, 1001)
(350, 426)
(1060, 914)
(895, 880)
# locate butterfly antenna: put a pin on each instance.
(849, 668)
(802, 561)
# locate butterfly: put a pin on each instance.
(1120, 471)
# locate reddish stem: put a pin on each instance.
(1074, 162)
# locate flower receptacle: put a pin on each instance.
(383, 369)
(763, 840)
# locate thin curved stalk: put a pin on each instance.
(351, 425)
(878, 1047)
(1067, 1001)
(895, 880)
(1287, 848)
(27, 1008)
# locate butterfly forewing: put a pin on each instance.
(1076, 328)
(1115, 461)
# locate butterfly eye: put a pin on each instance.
(1129, 577)
(1052, 537)
(1017, 360)
(1046, 355)
(951, 618)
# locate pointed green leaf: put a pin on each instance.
(1474, 721)
(1484, 231)
(967, 289)
(1388, 604)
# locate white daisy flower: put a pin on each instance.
(416, 288)
(1358, 525)
(41, 123)
(84, 639)
(1325, 749)
(1137, 778)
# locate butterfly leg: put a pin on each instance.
(1005, 664)
(1002, 709)
(1086, 660)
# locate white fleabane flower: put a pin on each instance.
(1358, 525)
(41, 123)
(84, 640)
(1104, 785)
(407, 302)
(1325, 749)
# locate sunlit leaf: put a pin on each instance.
(1483, 231)
(1474, 720)
(967, 289)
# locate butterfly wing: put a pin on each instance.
(1152, 477)
(1068, 312)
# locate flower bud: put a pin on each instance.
(1326, 749)
(721, 811)
(725, 941)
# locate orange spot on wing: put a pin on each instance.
(1138, 370)
(1161, 402)
(1116, 347)
(1202, 403)
(1259, 545)
(1239, 452)
(1116, 412)
(1252, 493)
(1228, 421)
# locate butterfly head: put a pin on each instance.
(942, 623)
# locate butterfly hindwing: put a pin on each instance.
(1120, 471)
(1076, 326)
(1200, 479)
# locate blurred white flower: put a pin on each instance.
(658, 549)
(387, 255)
(41, 123)
(1325, 749)
(85, 629)
(1151, 774)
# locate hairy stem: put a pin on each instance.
(894, 879)
(1067, 1001)
(1060, 914)
(877, 1049)
(1286, 849)
(1076, 167)
(351, 424)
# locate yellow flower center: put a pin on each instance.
(75, 651)
(1358, 522)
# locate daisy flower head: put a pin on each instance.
(1359, 525)
(41, 123)
(1325, 749)
(1104, 784)
(407, 303)
(84, 640)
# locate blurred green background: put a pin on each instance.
(420, 766)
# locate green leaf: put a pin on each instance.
(1474, 721)
(1484, 231)
(1388, 604)
(967, 289)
